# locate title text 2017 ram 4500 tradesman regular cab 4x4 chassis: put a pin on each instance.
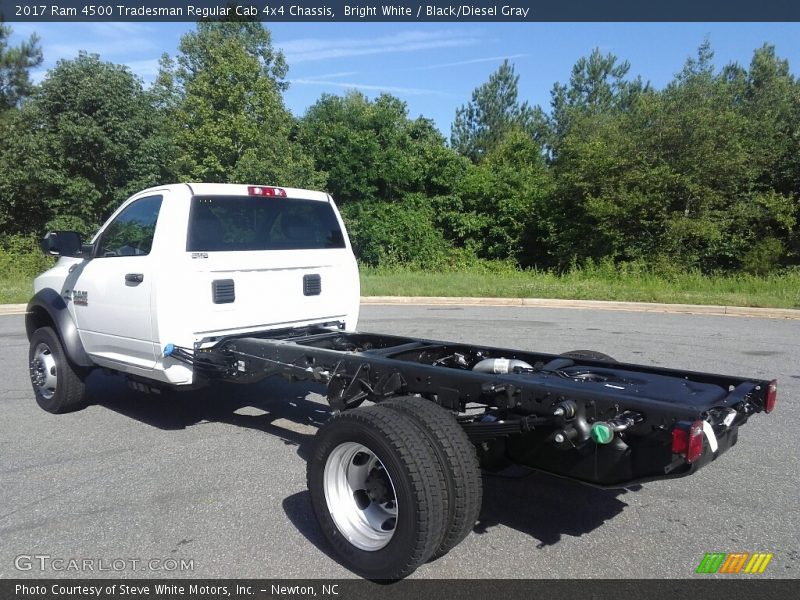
(190, 283)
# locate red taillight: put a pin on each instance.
(680, 441)
(772, 396)
(261, 190)
(688, 441)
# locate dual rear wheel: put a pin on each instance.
(393, 485)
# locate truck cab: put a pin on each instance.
(186, 264)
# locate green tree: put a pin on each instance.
(396, 233)
(224, 96)
(590, 150)
(771, 103)
(688, 177)
(499, 207)
(389, 173)
(372, 151)
(15, 84)
(85, 140)
(704, 139)
(493, 110)
(612, 190)
(15, 65)
(598, 84)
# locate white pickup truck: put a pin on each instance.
(185, 264)
(191, 283)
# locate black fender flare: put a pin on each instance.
(53, 305)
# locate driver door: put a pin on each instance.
(112, 293)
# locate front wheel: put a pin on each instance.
(57, 383)
(378, 492)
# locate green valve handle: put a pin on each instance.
(601, 433)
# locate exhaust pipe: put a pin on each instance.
(501, 366)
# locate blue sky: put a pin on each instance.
(432, 66)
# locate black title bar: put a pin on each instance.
(402, 10)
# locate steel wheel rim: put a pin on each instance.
(361, 496)
(44, 375)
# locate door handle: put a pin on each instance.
(134, 278)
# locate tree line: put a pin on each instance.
(701, 174)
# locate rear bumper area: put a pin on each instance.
(621, 464)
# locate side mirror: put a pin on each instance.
(62, 243)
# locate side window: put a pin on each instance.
(131, 232)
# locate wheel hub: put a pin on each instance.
(43, 371)
(37, 372)
(378, 486)
(360, 496)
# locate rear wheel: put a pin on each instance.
(377, 491)
(457, 456)
(57, 383)
(588, 355)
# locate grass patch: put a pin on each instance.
(773, 291)
(500, 280)
(20, 262)
(16, 289)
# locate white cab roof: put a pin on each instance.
(236, 189)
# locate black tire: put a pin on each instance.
(459, 461)
(588, 355)
(414, 476)
(57, 383)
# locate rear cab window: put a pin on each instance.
(247, 223)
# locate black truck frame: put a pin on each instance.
(397, 482)
(580, 414)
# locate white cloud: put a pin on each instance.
(112, 41)
(310, 49)
(334, 75)
(147, 69)
(471, 61)
(23, 29)
(37, 75)
(106, 48)
(118, 29)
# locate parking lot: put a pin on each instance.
(213, 482)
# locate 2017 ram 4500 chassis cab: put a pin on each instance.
(190, 283)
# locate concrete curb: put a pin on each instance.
(12, 309)
(688, 309)
(691, 309)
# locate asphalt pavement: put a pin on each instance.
(215, 479)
